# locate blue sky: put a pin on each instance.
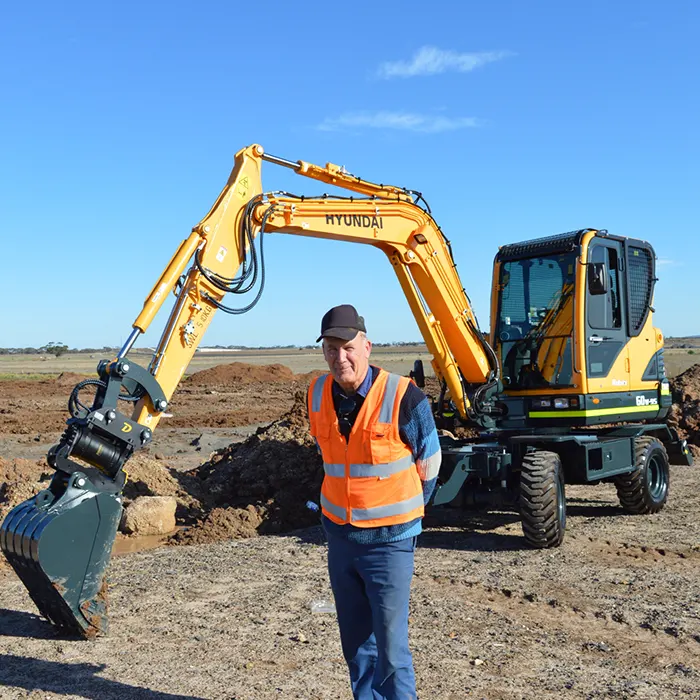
(515, 119)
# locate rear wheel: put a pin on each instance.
(645, 489)
(542, 499)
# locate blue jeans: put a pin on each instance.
(371, 585)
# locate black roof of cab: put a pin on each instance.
(550, 245)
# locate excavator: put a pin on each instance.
(569, 386)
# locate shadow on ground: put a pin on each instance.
(473, 533)
(588, 508)
(14, 623)
(78, 679)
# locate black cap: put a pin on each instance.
(341, 322)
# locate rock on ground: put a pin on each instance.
(149, 515)
(147, 476)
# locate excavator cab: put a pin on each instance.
(574, 331)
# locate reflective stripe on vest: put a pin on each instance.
(376, 512)
(387, 511)
(318, 393)
(361, 471)
(387, 410)
(332, 508)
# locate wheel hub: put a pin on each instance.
(655, 478)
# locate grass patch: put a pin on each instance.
(26, 376)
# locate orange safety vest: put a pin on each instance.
(371, 480)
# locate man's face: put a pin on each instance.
(348, 360)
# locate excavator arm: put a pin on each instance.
(82, 505)
(385, 217)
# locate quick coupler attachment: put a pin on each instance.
(59, 544)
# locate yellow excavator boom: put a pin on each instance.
(385, 217)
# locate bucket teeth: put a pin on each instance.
(60, 545)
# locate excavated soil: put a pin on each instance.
(613, 613)
(237, 373)
(258, 486)
(236, 395)
(20, 479)
(261, 485)
(685, 414)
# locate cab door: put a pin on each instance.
(607, 363)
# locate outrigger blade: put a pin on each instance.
(59, 544)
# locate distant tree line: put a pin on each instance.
(58, 349)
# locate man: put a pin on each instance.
(381, 456)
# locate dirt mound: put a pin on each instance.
(241, 373)
(223, 524)
(685, 412)
(260, 485)
(20, 480)
(70, 379)
(306, 377)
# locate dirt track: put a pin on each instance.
(613, 613)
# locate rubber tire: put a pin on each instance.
(542, 499)
(645, 489)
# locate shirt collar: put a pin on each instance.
(362, 390)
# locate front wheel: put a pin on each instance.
(542, 499)
(645, 489)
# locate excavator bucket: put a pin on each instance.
(59, 544)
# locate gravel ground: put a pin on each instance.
(613, 613)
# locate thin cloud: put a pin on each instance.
(429, 60)
(401, 121)
(666, 261)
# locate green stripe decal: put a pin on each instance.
(594, 412)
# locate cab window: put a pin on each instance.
(605, 310)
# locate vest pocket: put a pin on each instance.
(378, 440)
(323, 438)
